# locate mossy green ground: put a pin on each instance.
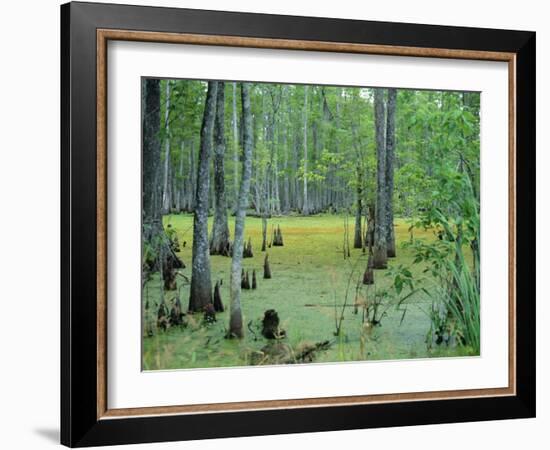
(309, 270)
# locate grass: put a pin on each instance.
(309, 270)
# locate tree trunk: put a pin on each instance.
(153, 232)
(380, 254)
(151, 151)
(370, 219)
(256, 167)
(170, 190)
(266, 174)
(275, 172)
(235, 150)
(180, 185)
(165, 189)
(220, 244)
(286, 182)
(264, 232)
(235, 314)
(295, 194)
(390, 159)
(192, 177)
(305, 205)
(358, 238)
(337, 195)
(201, 286)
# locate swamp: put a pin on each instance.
(291, 224)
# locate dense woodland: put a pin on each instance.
(225, 154)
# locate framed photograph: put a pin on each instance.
(277, 224)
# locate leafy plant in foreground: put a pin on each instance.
(455, 312)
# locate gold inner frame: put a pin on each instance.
(104, 35)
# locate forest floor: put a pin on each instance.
(309, 277)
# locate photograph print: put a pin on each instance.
(296, 224)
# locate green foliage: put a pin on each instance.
(456, 305)
(438, 141)
(401, 276)
(437, 137)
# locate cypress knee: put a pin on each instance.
(176, 314)
(162, 319)
(277, 237)
(254, 284)
(209, 313)
(267, 270)
(169, 275)
(270, 325)
(243, 282)
(247, 249)
(218, 304)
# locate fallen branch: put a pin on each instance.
(308, 352)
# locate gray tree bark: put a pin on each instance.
(166, 188)
(180, 185)
(201, 286)
(235, 312)
(305, 205)
(338, 194)
(266, 173)
(192, 176)
(390, 159)
(358, 236)
(152, 229)
(219, 243)
(235, 150)
(286, 182)
(151, 152)
(275, 139)
(380, 253)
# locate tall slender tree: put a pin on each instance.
(380, 253)
(152, 229)
(286, 181)
(358, 235)
(235, 312)
(266, 170)
(305, 205)
(151, 153)
(235, 149)
(166, 178)
(179, 192)
(390, 159)
(191, 179)
(272, 133)
(219, 243)
(201, 286)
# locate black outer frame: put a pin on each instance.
(79, 424)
